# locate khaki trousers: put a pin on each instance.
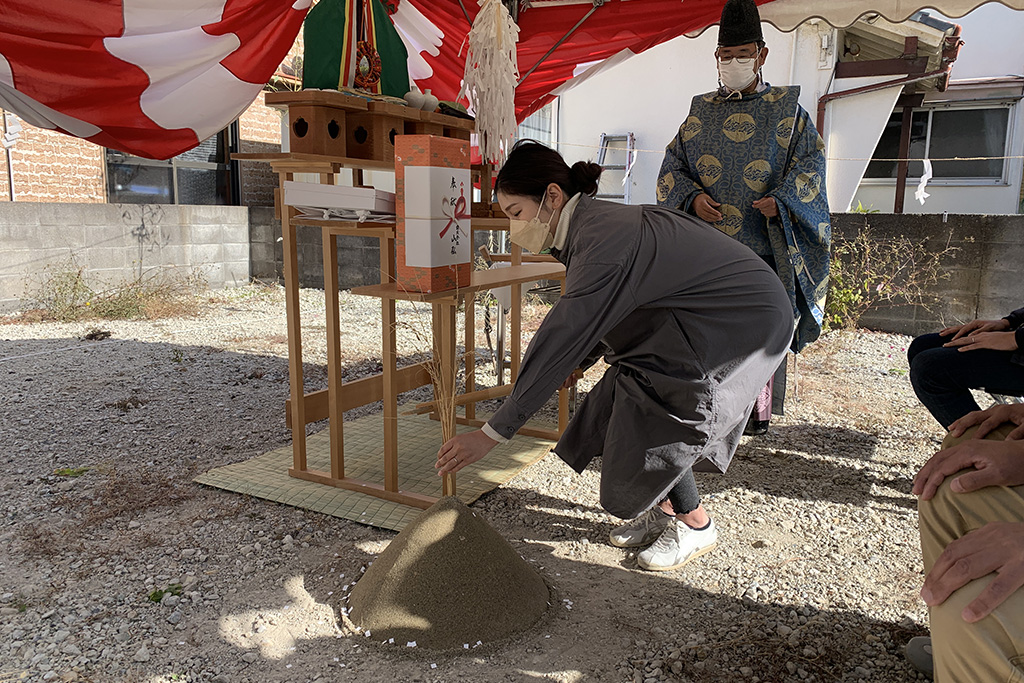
(993, 648)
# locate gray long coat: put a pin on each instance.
(692, 324)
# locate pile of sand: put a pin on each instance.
(448, 580)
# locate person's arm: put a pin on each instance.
(1016, 319)
(991, 418)
(803, 184)
(996, 548)
(597, 298)
(678, 186)
(994, 462)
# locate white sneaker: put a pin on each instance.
(640, 531)
(677, 545)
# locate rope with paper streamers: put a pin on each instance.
(489, 81)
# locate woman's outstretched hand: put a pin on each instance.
(462, 450)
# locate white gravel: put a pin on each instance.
(815, 578)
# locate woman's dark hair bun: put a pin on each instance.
(531, 167)
(584, 175)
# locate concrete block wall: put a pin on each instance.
(984, 274)
(117, 243)
(358, 257)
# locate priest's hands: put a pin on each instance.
(767, 206)
(706, 208)
(462, 450)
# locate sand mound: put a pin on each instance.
(448, 579)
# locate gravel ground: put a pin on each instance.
(130, 572)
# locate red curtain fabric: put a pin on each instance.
(617, 25)
(133, 75)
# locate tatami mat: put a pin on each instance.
(419, 437)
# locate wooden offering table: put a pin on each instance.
(303, 408)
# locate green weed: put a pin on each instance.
(71, 471)
(173, 589)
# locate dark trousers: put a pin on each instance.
(942, 378)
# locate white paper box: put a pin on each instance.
(338, 197)
(437, 222)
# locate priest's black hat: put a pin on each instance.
(741, 24)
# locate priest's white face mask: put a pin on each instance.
(738, 67)
(532, 235)
(737, 74)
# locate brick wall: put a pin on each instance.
(259, 131)
(53, 167)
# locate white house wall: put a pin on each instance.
(649, 95)
(992, 48)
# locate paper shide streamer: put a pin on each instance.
(490, 78)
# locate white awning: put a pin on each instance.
(786, 15)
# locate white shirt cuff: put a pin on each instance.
(492, 433)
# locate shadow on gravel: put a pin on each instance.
(612, 624)
(801, 462)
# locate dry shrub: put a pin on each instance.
(129, 494)
(47, 541)
(63, 293)
(868, 271)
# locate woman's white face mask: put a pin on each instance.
(737, 73)
(532, 235)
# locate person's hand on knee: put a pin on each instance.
(994, 463)
(997, 547)
(989, 419)
(975, 326)
(996, 341)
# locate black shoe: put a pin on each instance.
(756, 427)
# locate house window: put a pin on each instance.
(978, 135)
(540, 125)
(202, 175)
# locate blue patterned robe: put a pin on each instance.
(741, 150)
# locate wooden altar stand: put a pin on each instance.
(304, 407)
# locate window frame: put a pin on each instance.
(1008, 103)
(230, 165)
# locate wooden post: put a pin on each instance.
(389, 360)
(295, 379)
(444, 335)
(336, 417)
(901, 169)
(470, 355)
(516, 333)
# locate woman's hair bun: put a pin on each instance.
(584, 176)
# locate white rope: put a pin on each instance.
(932, 159)
(490, 78)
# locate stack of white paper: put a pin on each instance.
(319, 196)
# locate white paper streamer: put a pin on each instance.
(920, 195)
(489, 81)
